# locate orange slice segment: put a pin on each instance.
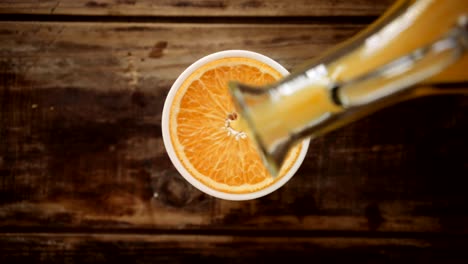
(210, 138)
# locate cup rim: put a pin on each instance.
(170, 148)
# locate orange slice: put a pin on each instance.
(210, 138)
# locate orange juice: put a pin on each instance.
(422, 23)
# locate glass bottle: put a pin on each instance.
(415, 49)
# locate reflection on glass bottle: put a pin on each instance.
(412, 44)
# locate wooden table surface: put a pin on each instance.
(82, 85)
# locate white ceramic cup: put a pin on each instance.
(170, 148)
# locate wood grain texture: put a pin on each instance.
(106, 248)
(197, 7)
(81, 146)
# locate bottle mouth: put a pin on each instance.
(272, 158)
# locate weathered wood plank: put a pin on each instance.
(115, 56)
(81, 147)
(197, 7)
(86, 248)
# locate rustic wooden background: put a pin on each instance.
(84, 177)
